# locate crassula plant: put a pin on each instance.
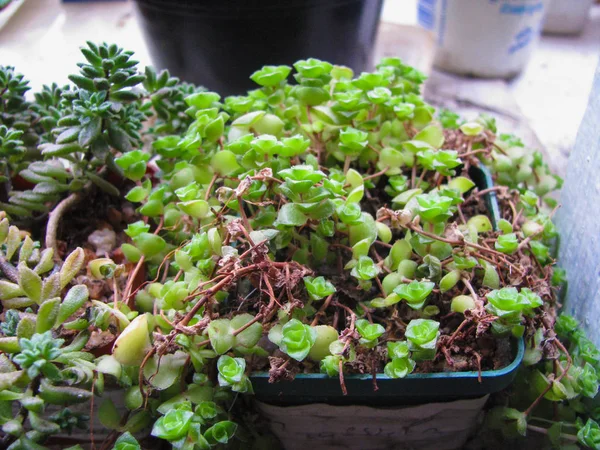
(330, 224)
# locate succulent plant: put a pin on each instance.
(330, 224)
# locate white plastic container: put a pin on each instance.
(432, 426)
(567, 17)
(483, 38)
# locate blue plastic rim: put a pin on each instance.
(414, 388)
(520, 346)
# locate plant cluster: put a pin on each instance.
(329, 225)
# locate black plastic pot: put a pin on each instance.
(220, 43)
(414, 388)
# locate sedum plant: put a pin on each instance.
(330, 225)
(422, 336)
(56, 148)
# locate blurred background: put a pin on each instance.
(481, 56)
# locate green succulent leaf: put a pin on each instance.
(127, 442)
(297, 339)
(173, 425)
(398, 349)
(589, 434)
(434, 208)
(37, 353)
(399, 367)
(415, 293)
(318, 288)
(75, 299)
(270, 75)
(369, 332)
(422, 335)
(365, 269)
(30, 282)
(220, 432)
(291, 215)
(507, 243)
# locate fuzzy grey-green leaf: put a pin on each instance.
(51, 286)
(46, 262)
(26, 327)
(74, 300)
(9, 290)
(47, 314)
(30, 282)
(13, 240)
(3, 230)
(90, 131)
(26, 249)
(71, 266)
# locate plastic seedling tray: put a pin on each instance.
(414, 388)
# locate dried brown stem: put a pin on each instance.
(347, 163)
(560, 377)
(478, 357)
(375, 175)
(527, 240)
(342, 382)
(567, 437)
(460, 327)
(56, 215)
(450, 241)
(474, 152)
(420, 180)
(514, 212)
(9, 270)
(383, 244)
(321, 310)
(461, 215)
(380, 287)
(490, 189)
(127, 294)
(247, 226)
(373, 148)
(247, 325)
(210, 186)
(467, 283)
(213, 290)
(149, 355)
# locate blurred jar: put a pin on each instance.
(567, 17)
(483, 38)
